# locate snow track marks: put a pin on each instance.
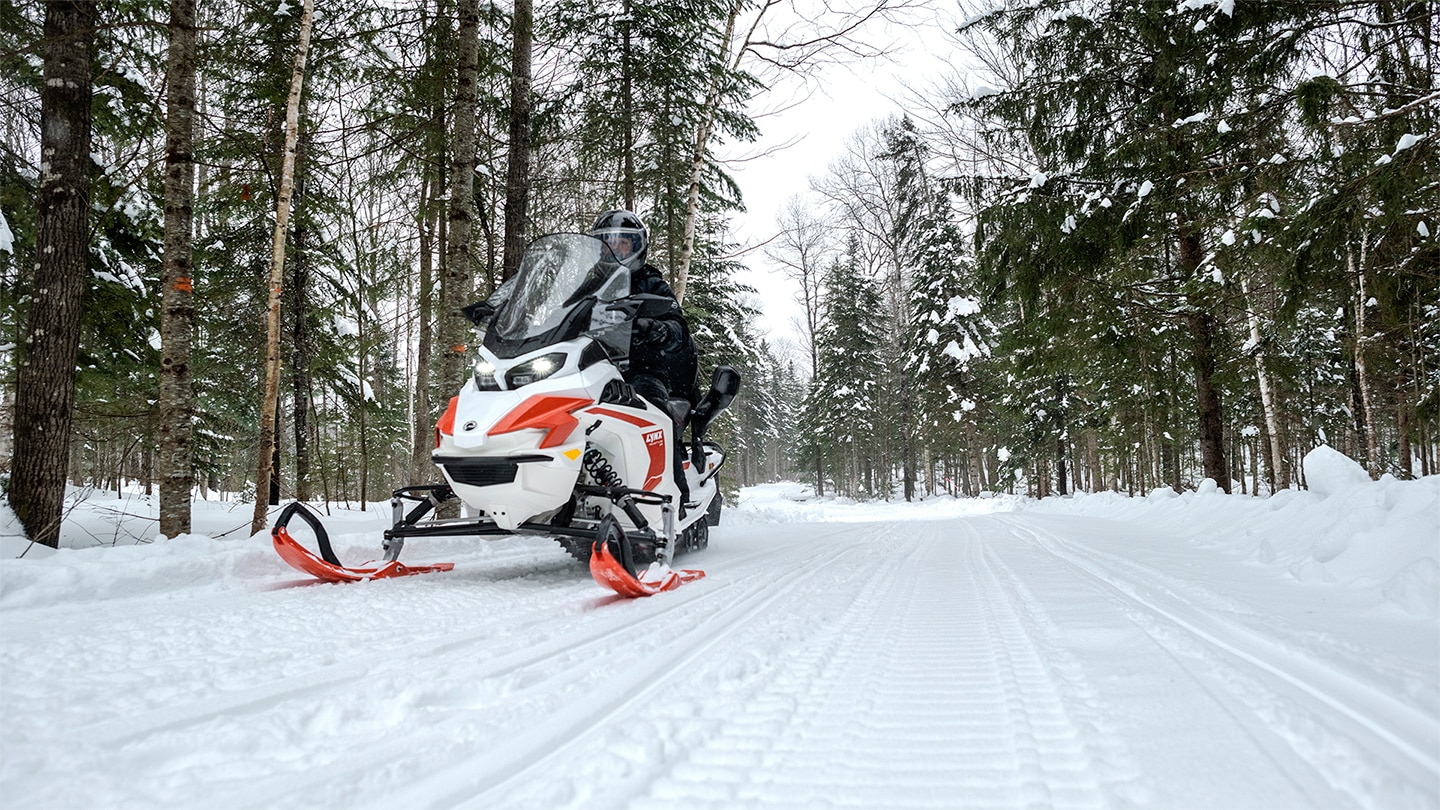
(998, 661)
(906, 658)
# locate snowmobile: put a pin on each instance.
(547, 438)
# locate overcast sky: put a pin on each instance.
(842, 100)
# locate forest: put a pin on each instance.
(1121, 245)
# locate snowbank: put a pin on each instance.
(110, 550)
(1346, 530)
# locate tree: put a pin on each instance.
(456, 286)
(1135, 157)
(45, 395)
(517, 175)
(176, 403)
(943, 335)
(269, 403)
(801, 247)
(846, 411)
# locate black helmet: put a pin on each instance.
(625, 233)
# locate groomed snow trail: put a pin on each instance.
(1004, 660)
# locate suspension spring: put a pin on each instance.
(600, 470)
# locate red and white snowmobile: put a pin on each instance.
(547, 437)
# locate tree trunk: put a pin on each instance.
(1362, 375)
(177, 303)
(819, 475)
(1212, 435)
(273, 496)
(300, 339)
(456, 282)
(697, 157)
(627, 106)
(45, 390)
(1402, 422)
(420, 467)
(1202, 336)
(1279, 471)
(268, 449)
(517, 175)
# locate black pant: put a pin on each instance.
(657, 392)
(652, 388)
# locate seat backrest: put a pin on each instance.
(724, 385)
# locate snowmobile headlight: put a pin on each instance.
(534, 370)
(485, 377)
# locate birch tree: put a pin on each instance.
(457, 281)
(268, 404)
(801, 247)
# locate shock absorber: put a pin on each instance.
(603, 474)
(600, 470)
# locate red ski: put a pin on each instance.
(608, 571)
(616, 569)
(328, 567)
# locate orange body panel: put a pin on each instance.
(552, 413)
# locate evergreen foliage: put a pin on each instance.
(1149, 244)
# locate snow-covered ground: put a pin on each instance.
(1195, 650)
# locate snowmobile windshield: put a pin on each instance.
(561, 292)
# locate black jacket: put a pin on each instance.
(672, 358)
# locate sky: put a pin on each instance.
(799, 143)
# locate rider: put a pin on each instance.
(662, 355)
(663, 361)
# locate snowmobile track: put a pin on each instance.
(858, 702)
(710, 612)
(1251, 669)
(432, 653)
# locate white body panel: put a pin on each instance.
(637, 443)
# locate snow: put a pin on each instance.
(980, 90)
(1406, 141)
(961, 306)
(963, 354)
(1191, 649)
(1225, 6)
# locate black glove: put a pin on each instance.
(478, 313)
(650, 331)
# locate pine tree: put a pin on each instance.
(847, 405)
(1135, 159)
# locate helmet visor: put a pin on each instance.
(626, 244)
